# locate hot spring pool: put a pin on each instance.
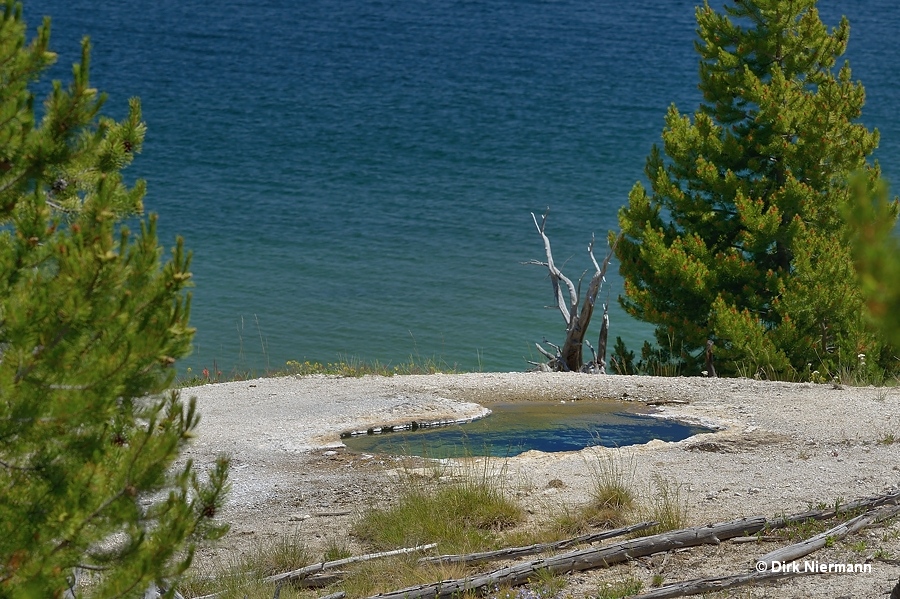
(513, 428)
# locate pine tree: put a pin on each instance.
(91, 321)
(742, 239)
(876, 251)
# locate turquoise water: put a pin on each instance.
(515, 428)
(355, 177)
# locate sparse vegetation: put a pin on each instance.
(889, 439)
(621, 589)
(882, 554)
(665, 505)
(461, 516)
(349, 367)
(335, 551)
(613, 495)
(239, 576)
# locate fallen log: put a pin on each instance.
(585, 559)
(317, 581)
(807, 546)
(698, 586)
(757, 539)
(301, 573)
(859, 504)
(765, 571)
(510, 552)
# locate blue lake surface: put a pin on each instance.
(356, 177)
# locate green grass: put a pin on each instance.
(335, 551)
(613, 489)
(618, 590)
(613, 495)
(889, 439)
(546, 585)
(665, 505)
(350, 367)
(612, 502)
(238, 577)
(460, 517)
(354, 367)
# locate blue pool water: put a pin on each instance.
(513, 428)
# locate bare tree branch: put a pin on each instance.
(577, 316)
(556, 275)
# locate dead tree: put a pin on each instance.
(570, 356)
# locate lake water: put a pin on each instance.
(356, 177)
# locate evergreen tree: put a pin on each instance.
(91, 321)
(876, 251)
(742, 238)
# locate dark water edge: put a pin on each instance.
(514, 428)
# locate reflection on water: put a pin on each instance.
(514, 428)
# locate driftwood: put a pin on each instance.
(570, 357)
(316, 581)
(756, 539)
(585, 559)
(310, 576)
(597, 557)
(711, 585)
(805, 547)
(764, 565)
(301, 573)
(486, 556)
(858, 505)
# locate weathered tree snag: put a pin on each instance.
(764, 565)
(698, 586)
(486, 556)
(570, 356)
(710, 367)
(860, 504)
(807, 546)
(598, 557)
(301, 573)
(601, 343)
(585, 559)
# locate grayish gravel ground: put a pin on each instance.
(780, 447)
